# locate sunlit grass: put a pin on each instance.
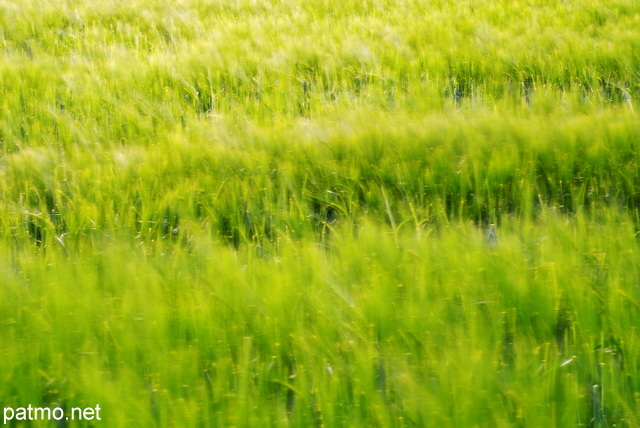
(388, 213)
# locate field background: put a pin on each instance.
(358, 213)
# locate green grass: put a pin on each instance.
(387, 213)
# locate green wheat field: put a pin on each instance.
(279, 213)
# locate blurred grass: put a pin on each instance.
(391, 213)
(364, 333)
